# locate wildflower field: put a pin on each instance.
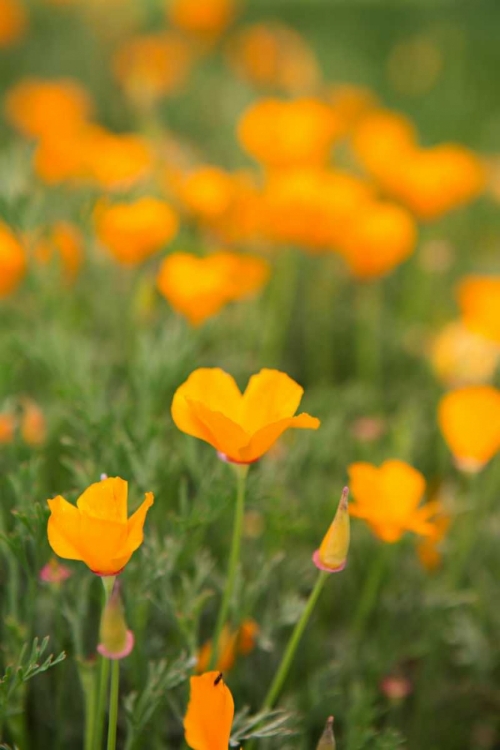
(250, 375)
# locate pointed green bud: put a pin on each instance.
(327, 740)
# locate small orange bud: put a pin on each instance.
(332, 554)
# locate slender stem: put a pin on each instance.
(233, 562)
(101, 703)
(370, 590)
(293, 643)
(113, 704)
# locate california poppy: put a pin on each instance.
(210, 712)
(97, 531)
(242, 427)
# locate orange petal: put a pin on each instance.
(63, 529)
(267, 436)
(103, 543)
(270, 395)
(135, 523)
(226, 435)
(106, 500)
(210, 712)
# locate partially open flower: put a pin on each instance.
(210, 712)
(332, 554)
(97, 530)
(469, 419)
(116, 641)
(388, 498)
(199, 287)
(242, 427)
(12, 261)
(479, 300)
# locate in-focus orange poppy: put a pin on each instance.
(274, 55)
(66, 240)
(97, 530)
(205, 19)
(134, 231)
(210, 712)
(479, 300)
(281, 134)
(381, 237)
(241, 427)
(41, 108)
(469, 419)
(13, 21)
(461, 357)
(199, 287)
(151, 66)
(388, 499)
(12, 261)
(231, 644)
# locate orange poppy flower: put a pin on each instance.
(388, 498)
(97, 531)
(332, 553)
(115, 161)
(428, 548)
(210, 712)
(13, 22)
(12, 261)
(40, 108)
(199, 287)
(461, 357)
(153, 65)
(33, 423)
(297, 133)
(469, 419)
(206, 20)
(242, 427)
(66, 240)
(207, 192)
(381, 237)
(479, 300)
(134, 231)
(276, 56)
(231, 643)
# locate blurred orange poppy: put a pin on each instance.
(199, 287)
(33, 424)
(8, 425)
(13, 22)
(388, 498)
(429, 548)
(134, 231)
(479, 300)
(242, 427)
(469, 419)
(115, 161)
(461, 357)
(207, 19)
(231, 644)
(210, 712)
(12, 261)
(97, 531)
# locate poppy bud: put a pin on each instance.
(327, 740)
(332, 554)
(116, 641)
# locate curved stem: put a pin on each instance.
(113, 704)
(233, 563)
(293, 643)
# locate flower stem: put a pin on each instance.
(233, 562)
(101, 703)
(113, 704)
(293, 643)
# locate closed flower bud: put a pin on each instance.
(116, 640)
(332, 554)
(327, 740)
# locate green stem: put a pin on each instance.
(113, 704)
(108, 583)
(293, 643)
(233, 562)
(370, 590)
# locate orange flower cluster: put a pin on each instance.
(199, 287)
(134, 231)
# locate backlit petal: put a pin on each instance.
(210, 712)
(267, 436)
(270, 396)
(106, 499)
(63, 529)
(135, 523)
(102, 543)
(226, 435)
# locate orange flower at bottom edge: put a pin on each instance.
(469, 419)
(97, 530)
(241, 426)
(210, 712)
(199, 287)
(388, 498)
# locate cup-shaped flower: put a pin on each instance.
(210, 712)
(97, 530)
(116, 641)
(242, 427)
(332, 554)
(388, 498)
(469, 419)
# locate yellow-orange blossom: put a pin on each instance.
(242, 427)
(97, 530)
